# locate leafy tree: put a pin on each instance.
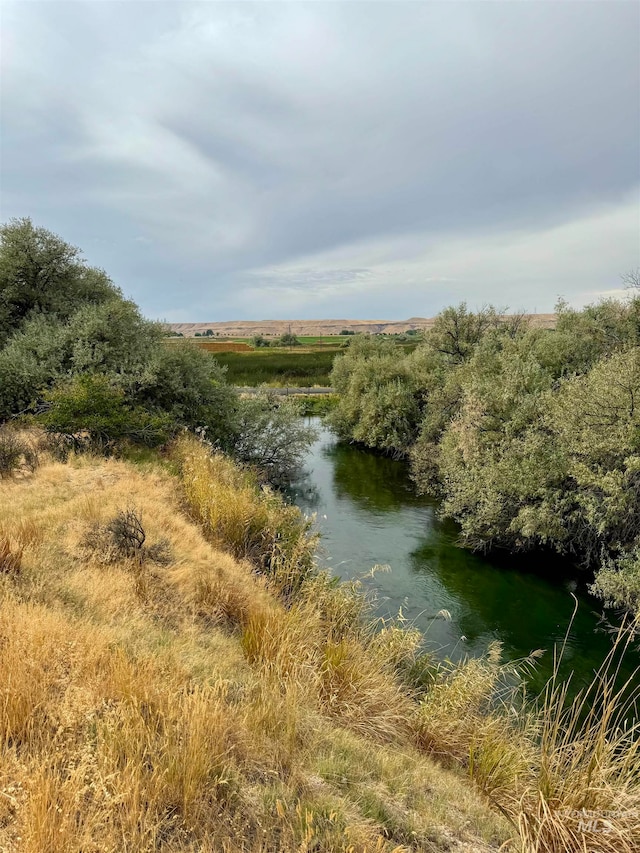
(378, 405)
(531, 437)
(190, 386)
(286, 340)
(456, 331)
(31, 361)
(110, 338)
(41, 274)
(73, 350)
(582, 337)
(270, 435)
(259, 341)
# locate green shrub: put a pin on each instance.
(270, 436)
(91, 412)
(531, 437)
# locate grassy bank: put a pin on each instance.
(181, 696)
(207, 688)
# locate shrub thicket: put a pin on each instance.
(80, 358)
(530, 436)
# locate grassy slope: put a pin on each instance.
(147, 707)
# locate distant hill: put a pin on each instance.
(248, 328)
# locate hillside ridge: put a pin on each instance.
(248, 328)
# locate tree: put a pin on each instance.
(631, 279)
(378, 405)
(271, 436)
(190, 386)
(41, 274)
(456, 331)
(80, 356)
(286, 340)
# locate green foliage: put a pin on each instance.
(32, 359)
(531, 437)
(618, 581)
(379, 402)
(188, 385)
(319, 405)
(97, 414)
(277, 367)
(98, 375)
(41, 274)
(271, 436)
(457, 331)
(259, 341)
(286, 340)
(111, 338)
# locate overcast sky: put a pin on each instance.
(309, 160)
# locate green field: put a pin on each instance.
(278, 367)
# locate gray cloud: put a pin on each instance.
(269, 159)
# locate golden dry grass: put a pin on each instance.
(233, 698)
(198, 705)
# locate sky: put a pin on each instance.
(372, 160)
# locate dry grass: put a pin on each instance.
(236, 699)
(205, 704)
(565, 772)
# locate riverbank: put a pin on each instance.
(142, 706)
(182, 676)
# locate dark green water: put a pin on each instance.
(369, 515)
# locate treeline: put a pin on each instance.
(531, 437)
(79, 359)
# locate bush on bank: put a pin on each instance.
(531, 437)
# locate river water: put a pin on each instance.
(368, 515)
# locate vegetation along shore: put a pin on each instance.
(179, 673)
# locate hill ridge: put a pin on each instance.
(248, 328)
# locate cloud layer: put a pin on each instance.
(254, 160)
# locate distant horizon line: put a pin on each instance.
(414, 319)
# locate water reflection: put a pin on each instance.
(368, 514)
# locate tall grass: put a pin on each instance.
(250, 520)
(299, 369)
(554, 768)
(564, 771)
(586, 792)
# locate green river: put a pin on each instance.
(368, 514)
